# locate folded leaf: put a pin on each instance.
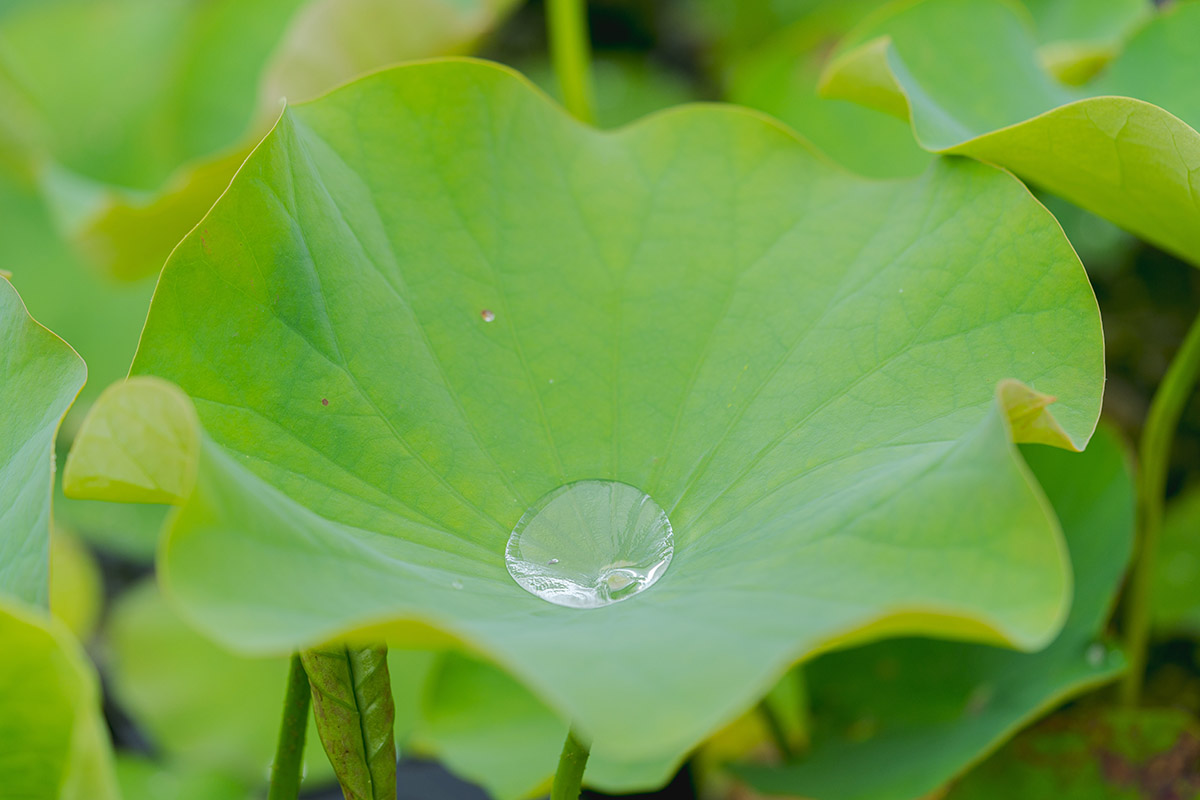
(352, 704)
(966, 72)
(798, 366)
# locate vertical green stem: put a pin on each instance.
(568, 780)
(286, 769)
(775, 728)
(1154, 452)
(571, 52)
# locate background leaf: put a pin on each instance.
(39, 378)
(53, 743)
(898, 719)
(1090, 754)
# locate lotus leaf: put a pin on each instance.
(966, 73)
(431, 297)
(53, 743)
(39, 378)
(144, 109)
(901, 718)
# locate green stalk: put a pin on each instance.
(566, 22)
(286, 769)
(568, 780)
(1154, 453)
(775, 728)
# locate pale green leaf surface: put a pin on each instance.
(145, 108)
(203, 707)
(53, 742)
(39, 378)
(1094, 754)
(800, 365)
(898, 719)
(966, 72)
(1175, 590)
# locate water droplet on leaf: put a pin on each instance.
(1096, 654)
(609, 541)
(487, 315)
(456, 584)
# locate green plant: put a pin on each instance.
(496, 437)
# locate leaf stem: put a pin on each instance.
(568, 780)
(775, 728)
(566, 22)
(286, 769)
(1154, 453)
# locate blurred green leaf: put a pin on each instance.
(142, 779)
(207, 710)
(627, 88)
(76, 592)
(141, 110)
(53, 742)
(900, 718)
(39, 378)
(697, 306)
(967, 73)
(1090, 754)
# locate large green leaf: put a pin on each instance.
(395, 351)
(145, 108)
(1094, 754)
(900, 718)
(39, 378)
(966, 71)
(53, 743)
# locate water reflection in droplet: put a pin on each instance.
(590, 543)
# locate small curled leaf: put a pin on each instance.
(352, 703)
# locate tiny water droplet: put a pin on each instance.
(610, 541)
(552, 380)
(1096, 654)
(456, 584)
(487, 314)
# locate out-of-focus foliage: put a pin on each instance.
(53, 742)
(135, 113)
(898, 719)
(39, 378)
(1094, 754)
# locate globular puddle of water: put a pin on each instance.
(589, 544)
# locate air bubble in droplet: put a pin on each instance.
(590, 543)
